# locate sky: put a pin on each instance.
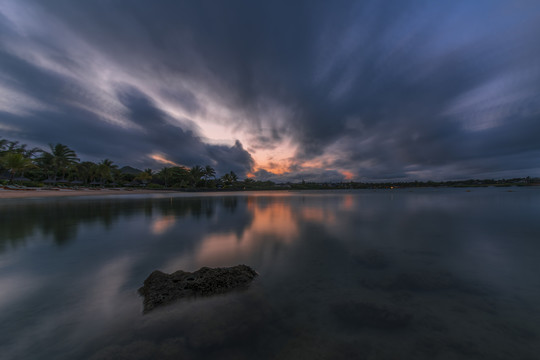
(279, 90)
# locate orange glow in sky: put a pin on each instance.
(348, 175)
(163, 160)
(276, 169)
(276, 161)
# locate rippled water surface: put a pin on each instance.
(388, 274)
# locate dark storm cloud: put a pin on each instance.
(153, 131)
(387, 90)
(317, 176)
(184, 147)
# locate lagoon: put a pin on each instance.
(367, 274)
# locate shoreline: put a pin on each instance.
(30, 193)
(43, 193)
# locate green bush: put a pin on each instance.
(154, 186)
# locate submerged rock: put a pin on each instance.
(160, 288)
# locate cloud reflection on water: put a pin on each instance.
(312, 250)
(162, 224)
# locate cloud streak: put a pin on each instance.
(362, 90)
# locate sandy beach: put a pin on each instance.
(38, 193)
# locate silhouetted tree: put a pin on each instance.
(166, 174)
(105, 170)
(229, 178)
(197, 173)
(208, 173)
(145, 176)
(62, 157)
(16, 163)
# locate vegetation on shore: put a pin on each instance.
(418, 184)
(60, 166)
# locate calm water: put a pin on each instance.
(396, 274)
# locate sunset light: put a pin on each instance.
(339, 101)
(161, 159)
(270, 179)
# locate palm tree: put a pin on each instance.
(226, 179)
(3, 145)
(62, 157)
(209, 172)
(145, 176)
(86, 171)
(7, 146)
(165, 174)
(229, 178)
(108, 163)
(15, 163)
(196, 173)
(181, 177)
(105, 169)
(31, 153)
(13, 146)
(46, 163)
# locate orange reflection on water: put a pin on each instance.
(216, 247)
(317, 214)
(162, 224)
(348, 202)
(275, 218)
(273, 222)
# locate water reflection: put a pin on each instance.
(273, 224)
(160, 225)
(366, 274)
(61, 219)
(348, 202)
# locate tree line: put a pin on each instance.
(60, 165)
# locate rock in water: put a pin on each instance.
(160, 288)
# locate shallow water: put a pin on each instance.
(387, 274)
